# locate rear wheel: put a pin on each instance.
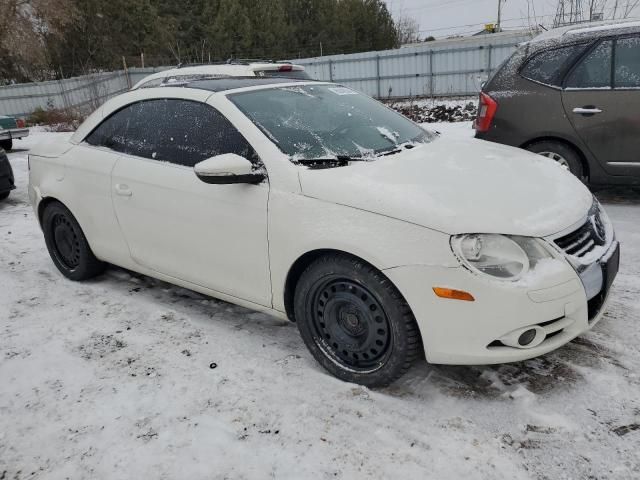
(561, 153)
(67, 244)
(6, 144)
(4, 195)
(355, 322)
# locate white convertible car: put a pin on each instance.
(314, 202)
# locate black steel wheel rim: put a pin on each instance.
(350, 325)
(66, 241)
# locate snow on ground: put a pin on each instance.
(112, 378)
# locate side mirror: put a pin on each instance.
(227, 169)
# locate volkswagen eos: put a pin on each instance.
(313, 202)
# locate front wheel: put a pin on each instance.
(355, 322)
(4, 195)
(67, 244)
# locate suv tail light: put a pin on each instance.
(486, 111)
(285, 68)
(20, 123)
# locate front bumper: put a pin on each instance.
(16, 133)
(470, 333)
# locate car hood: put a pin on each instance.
(461, 186)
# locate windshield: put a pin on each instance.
(328, 121)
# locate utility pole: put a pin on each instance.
(499, 25)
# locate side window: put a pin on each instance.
(144, 130)
(548, 66)
(594, 71)
(132, 130)
(627, 67)
(111, 133)
(192, 132)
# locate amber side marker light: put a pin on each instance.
(453, 294)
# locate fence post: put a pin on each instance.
(490, 48)
(330, 70)
(63, 93)
(431, 75)
(378, 75)
(126, 72)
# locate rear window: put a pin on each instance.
(548, 67)
(297, 74)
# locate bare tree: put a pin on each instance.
(630, 7)
(408, 30)
(25, 26)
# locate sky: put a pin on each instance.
(441, 18)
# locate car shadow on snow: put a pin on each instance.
(555, 371)
(558, 370)
(618, 195)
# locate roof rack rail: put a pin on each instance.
(232, 61)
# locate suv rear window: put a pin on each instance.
(548, 66)
(297, 74)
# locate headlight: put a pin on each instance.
(500, 256)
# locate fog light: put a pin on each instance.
(527, 337)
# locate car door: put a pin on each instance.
(601, 97)
(214, 236)
(87, 175)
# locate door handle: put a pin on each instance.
(123, 190)
(587, 110)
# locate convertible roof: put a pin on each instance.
(233, 83)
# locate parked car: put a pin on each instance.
(11, 128)
(314, 202)
(236, 68)
(573, 95)
(7, 182)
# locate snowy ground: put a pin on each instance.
(112, 379)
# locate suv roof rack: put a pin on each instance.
(231, 61)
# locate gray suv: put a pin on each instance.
(571, 94)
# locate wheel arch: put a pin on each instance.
(300, 265)
(550, 138)
(44, 203)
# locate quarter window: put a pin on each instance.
(170, 130)
(549, 66)
(627, 63)
(594, 71)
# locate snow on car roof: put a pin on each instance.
(586, 29)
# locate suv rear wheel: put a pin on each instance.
(561, 153)
(6, 144)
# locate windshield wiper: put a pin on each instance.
(337, 161)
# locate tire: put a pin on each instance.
(562, 153)
(67, 245)
(6, 144)
(355, 322)
(4, 195)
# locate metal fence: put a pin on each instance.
(455, 67)
(83, 93)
